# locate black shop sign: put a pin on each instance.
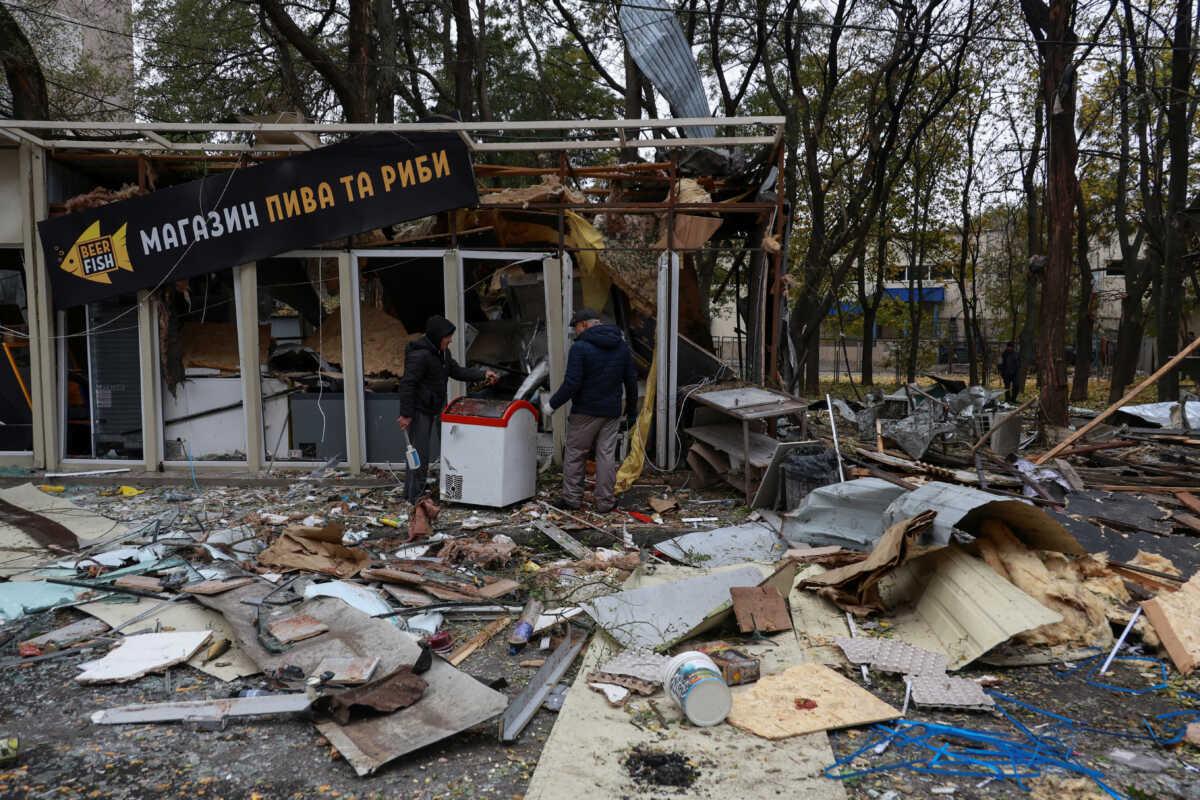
(244, 215)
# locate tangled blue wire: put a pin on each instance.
(937, 749)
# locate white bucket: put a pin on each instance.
(694, 682)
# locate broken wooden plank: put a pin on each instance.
(1176, 619)
(295, 629)
(76, 631)
(216, 586)
(562, 539)
(1112, 409)
(143, 582)
(1187, 520)
(498, 588)
(1190, 500)
(760, 608)
(203, 710)
(477, 641)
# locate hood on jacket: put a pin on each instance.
(606, 337)
(437, 328)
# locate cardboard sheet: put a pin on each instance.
(316, 549)
(855, 587)
(768, 708)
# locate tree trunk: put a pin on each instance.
(867, 366)
(464, 58)
(1086, 319)
(1170, 307)
(481, 58)
(385, 31)
(1056, 42)
(1130, 330)
(26, 82)
(1025, 346)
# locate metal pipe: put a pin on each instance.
(836, 447)
(1108, 661)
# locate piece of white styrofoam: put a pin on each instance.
(137, 655)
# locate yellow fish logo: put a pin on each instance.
(93, 256)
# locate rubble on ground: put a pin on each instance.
(946, 623)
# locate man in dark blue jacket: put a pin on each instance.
(598, 368)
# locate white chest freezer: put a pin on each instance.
(489, 451)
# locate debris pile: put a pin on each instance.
(854, 605)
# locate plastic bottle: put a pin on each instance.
(523, 630)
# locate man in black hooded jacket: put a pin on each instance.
(599, 366)
(428, 365)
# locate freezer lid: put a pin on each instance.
(483, 411)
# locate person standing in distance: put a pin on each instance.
(599, 366)
(428, 366)
(1010, 365)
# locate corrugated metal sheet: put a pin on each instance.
(959, 606)
(661, 51)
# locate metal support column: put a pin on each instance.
(352, 362)
(452, 278)
(42, 356)
(556, 337)
(147, 322)
(666, 352)
(245, 298)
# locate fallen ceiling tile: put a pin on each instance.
(725, 546)
(944, 691)
(774, 708)
(655, 617)
(894, 656)
(641, 664)
(137, 655)
(858, 649)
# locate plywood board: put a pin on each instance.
(760, 608)
(1176, 619)
(728, 439)
(214, 345)
(217, 586)
(298, 628)
(179, 616)
(768, 708)
(582, 756)
(349, 670)
(137, 655)
(384, 339)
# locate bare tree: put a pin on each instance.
(22, 70)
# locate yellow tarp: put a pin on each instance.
(631, 467)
